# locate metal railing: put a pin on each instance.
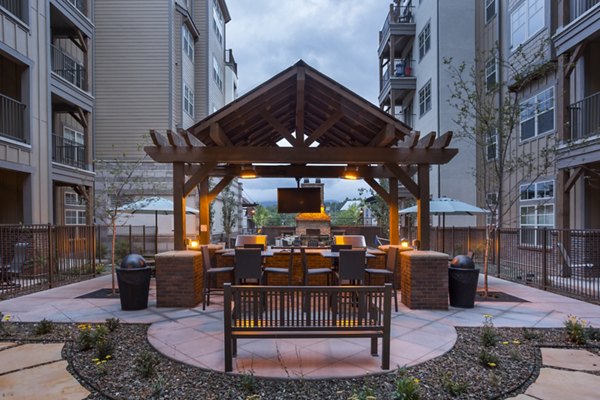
(14, 6)
(39, 257)
(579, 7)
(401, 14)
(68, 68)
(81, 5)
(129, 239)
(68, 152)
(585, 117)
(12, 117)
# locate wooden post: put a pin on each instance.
(204, 206)
(393, 206)
(179, 229)
(423, 230)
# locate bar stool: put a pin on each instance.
(209, 271)
(389, 273)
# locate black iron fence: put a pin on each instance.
(585, 117)
(68, 68)
(38, 257)
(129, 239)
(11, 118)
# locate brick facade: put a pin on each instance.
(179, 279)
(424, 279)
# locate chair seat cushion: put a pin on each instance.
(378, 271)
(277, 270)
(315, 271)
(218, 270)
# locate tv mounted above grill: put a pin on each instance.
(299, 200)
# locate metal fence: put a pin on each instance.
(38, 257)
(129, 239)
(585, 117)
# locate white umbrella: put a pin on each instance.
(154, 205)
(447, 205)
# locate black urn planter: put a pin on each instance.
(134, 282)
(462, 282)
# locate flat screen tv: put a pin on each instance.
(299, 200)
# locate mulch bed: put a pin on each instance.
(100, 294)
(499, 296)
(516, 349)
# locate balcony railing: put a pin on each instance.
(585, 117)
(402, 14)
(68, 152)
(578, 7)
(68, 68)
(14, 6)
(80, 5)
(12, 116)
(402, 68)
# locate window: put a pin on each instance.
(425, 99)
(217, 74)
(75, 217)
(537, 114)
(526, 20)
(73, 147)
(218, 21)
(187, 43)
(188, 100)
(424, 41)
(73, 199)
(538, 215)
(490, 10)
(490, 74)
(491, 147)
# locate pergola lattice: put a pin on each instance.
(325, 124)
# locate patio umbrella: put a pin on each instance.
(156, 206)
(447, 205)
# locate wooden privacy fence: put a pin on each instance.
(38, 257)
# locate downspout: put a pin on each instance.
(500, 69)
(170, 58)
(439, 123)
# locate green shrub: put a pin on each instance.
(145, 364)
(407, 387)
(365, 393)
(248, 382)
(43, 327)
(576, 330)
(90, 336)
(112, 324)
(530, 334)
(104, 349)
(487, 359)
(488, 332)
(454, 387)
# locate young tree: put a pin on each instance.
(260, 217)
(378, 206)
(488, 113)
(229, 211)
(119, 185)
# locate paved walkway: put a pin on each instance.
(195, 337)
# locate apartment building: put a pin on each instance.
(417, 36)
(159, 65)
(46, 111)
(559, 112)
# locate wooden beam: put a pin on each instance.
(217, 134)
(378, 189)
(158, 139)
(300, 98)
(219, 187)
(423, 211)
(573, 59)
(393, 207)
(175, 140)
(443, 141)
(324, 127)
(278, 127)
(411, 140)
(293, 171)
(79, 115)
(385, 137)
(82, 42)
(179, 229)
(315, 155)
(190, 139)
(204, 216)
(404, 178)
(198, 176)
(572, 179)
(426, 141)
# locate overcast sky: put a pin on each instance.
(337, 37)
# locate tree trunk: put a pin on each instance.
(114, 240)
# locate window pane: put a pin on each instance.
(536, 16)
(490, 10)
(527, 129)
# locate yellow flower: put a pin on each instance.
(103, 361)
(504, 342)
(491, 364)
(98, 363)
(95, 359)
(108, 356)
(6, 317)
(487, 316)
(417, 380)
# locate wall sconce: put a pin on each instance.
(350, 173)
(404, 243)
(248, 172)
(192, 244)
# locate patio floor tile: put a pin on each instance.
(581, 360)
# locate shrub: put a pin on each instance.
(145, 364)
(575, 329)
(365, 393)
(43, 327)
(104, 349)
(487, 359)
(3, 319)
(121, 250)
(407, 387)
(112, 324)
(530, 334)
(90, 336)
(488, 332)
(248, 382)
(454, 388)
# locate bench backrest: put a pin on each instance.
(300, 308)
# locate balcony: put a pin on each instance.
(400, 24)
(68, 152)
(68, 68)
(398, 76)
(15, 7)
(584, 144)
(12, 117)
(585, 117)
(580, 7)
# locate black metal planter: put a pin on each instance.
(462, 285)
(134, 283)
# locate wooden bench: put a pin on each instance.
(306, 312)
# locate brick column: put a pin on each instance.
(178, 278)
(424, 279)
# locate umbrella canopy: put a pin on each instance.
(447, 205)
(154, 205)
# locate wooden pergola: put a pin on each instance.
(328, 127)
